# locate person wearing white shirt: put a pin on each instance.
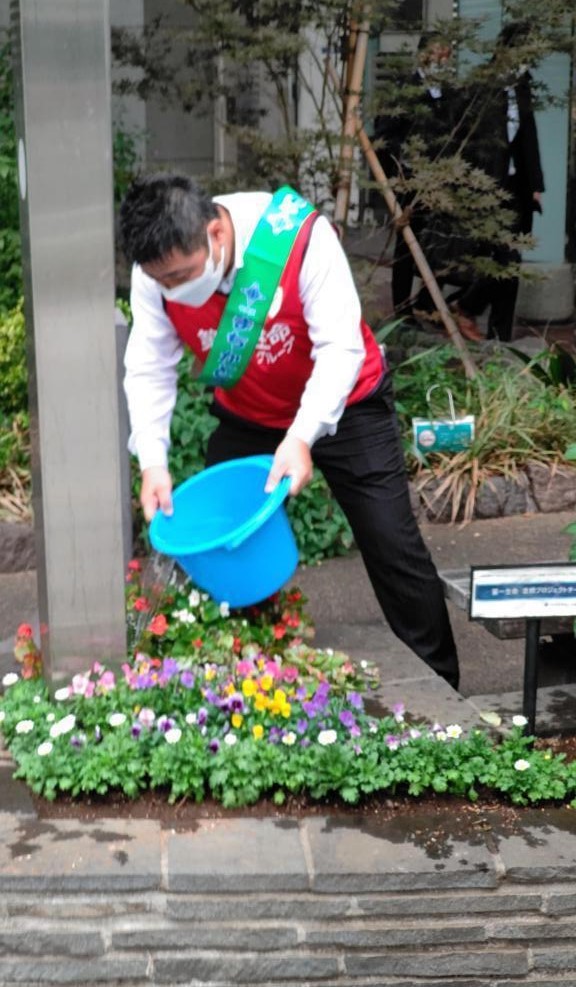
(316, 389)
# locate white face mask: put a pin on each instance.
(200, 289)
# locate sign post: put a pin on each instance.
(529, 592)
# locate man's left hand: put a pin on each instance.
(293, 459)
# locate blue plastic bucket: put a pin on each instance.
(232, 539)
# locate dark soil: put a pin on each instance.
(186, 814)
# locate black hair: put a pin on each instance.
(429, 38)
(514, 33)
(161, 213)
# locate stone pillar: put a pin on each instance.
(62, 69)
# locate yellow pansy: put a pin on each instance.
(237, 720)
(258, 731)
(210, 674)
(248, 687)
(266, 683)
(261, 702)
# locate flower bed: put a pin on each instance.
(238, 706)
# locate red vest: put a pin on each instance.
(271, 387)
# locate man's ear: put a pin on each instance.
(216, 229)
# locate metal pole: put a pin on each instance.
(62, 72)
(531, 672)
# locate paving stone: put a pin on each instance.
(14, 794)
(265, 938)
(240, 855)
(363, 854)
(244, 970)
(555, 707)
(428, 700)
(532, 930)
(106, 971)
(536, 844)
(453, 964)
(33, 942)
(318, 908)
(375, 642)
(361, 937)
(561, 904)
(555, 959)
(67, 855)
(450, 904)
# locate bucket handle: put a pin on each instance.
(269, 507)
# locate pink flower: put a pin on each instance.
(24, 631)
(159, 625)
(141, 604)
(290, 673)
(82, 685)
(106, 682)
(244, 668)
(273, 669)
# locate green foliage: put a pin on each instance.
(10, 251)
(13, 369)
(126, 161)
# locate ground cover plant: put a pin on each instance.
(238, 706)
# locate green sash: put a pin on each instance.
(255, 283)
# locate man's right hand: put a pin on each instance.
(156, 492)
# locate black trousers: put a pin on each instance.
(363, 464)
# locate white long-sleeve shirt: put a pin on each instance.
(331, 309)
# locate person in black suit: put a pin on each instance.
(505, 145)
(430, 111)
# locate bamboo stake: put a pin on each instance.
(351, 101)
(422, 264)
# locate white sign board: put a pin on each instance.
(530, 591)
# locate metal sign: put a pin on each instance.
(529, 591)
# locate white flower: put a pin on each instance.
(173, 735)
(230, 739)
(9, 679)
(414, 733)
(327, 737)
(329, 652)
(290, 738)
(194, 598)
(204, 597)
(441, 735)
(521, 764)
(454, 731)
(363, 663)
(37, 699)
(519, 721)
(146, 716)
(184, 616)
(45, 748)
(65, 725)
(372, 727)
(191, 719)
(224, 609)
(116, 719)
(24, 726)
(2, 716)
(50, 717)
(61, 694)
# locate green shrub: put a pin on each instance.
(10, 255)
(13, 369)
